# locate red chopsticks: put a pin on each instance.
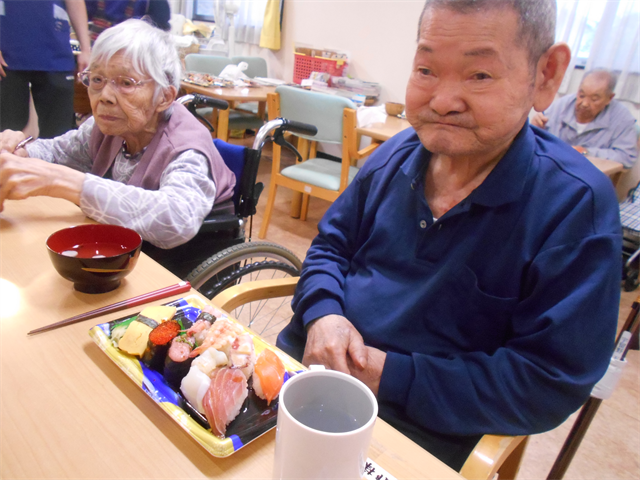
(114, 307)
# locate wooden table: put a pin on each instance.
(67, 411)
(220, 120)
(382, 131)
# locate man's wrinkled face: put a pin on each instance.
(472, 86)
(593, 96)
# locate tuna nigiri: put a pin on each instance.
(268, 375)
(224, 399)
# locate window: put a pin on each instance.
(608, 23)
(204, 10)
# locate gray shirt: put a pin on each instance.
(167, 217)
(611, 135)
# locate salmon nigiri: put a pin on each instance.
(224, 398)
(268, 375)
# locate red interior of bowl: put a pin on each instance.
(91, 241)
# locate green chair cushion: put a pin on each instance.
(319, 172)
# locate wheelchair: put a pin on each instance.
(630, 219)
(221, 254)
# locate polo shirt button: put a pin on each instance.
(423, 224)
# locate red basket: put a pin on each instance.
(305, 64)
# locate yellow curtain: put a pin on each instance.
(270, 36)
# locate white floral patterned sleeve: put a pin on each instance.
(166, 217)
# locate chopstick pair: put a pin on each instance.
(114, 307)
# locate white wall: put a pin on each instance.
(380, 37)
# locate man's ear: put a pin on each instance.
(549, 74)
(167, 97)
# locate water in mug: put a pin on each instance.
(326, 418)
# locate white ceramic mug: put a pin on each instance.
(325, 423)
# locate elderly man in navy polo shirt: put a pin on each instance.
(592, 121)
(470, 274)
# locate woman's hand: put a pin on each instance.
(29, 177)
(9, 140)
(333, 341)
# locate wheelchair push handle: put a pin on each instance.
(195, 99)
(299, 127)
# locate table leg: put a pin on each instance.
(296, 205)
(615, 178)
(223, 125)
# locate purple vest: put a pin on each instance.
(182, 132)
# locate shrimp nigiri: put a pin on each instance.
(268, 375)
(241, 354)
(220, 336)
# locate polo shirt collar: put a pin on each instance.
(505, 183)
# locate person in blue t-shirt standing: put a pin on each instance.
(35, 54)
(106, 13)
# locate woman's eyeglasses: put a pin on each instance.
(123, 84)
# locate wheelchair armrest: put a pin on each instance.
(222, 217)
(217, 224)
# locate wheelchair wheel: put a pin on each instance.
(245, 263)
(631, 280)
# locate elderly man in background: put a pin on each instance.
(592, 121)
(142, 161)
(470, 274)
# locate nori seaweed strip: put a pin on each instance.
(158, 344)
(149, 322)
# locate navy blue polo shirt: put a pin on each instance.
(34, 35)
(500, 316)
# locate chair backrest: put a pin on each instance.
(234, 158)
(320, 109)
(256, 66)
(211, 64)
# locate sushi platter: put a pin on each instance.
(207, 80)
(218, 380)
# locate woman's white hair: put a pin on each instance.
(151, 51)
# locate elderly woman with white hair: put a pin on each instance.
(142, 161)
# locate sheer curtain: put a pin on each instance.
(603, 34)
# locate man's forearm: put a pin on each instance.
(625, 157)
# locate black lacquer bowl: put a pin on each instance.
(94, 257)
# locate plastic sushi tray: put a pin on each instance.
(255, 418)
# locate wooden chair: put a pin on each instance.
(335, 118)
(213, 65)
(256, 67)
(493, 454)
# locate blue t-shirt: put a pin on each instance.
(116, 11)
(34, 35)
(500, 316)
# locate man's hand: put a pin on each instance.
(539, 120)
(2, 64)
(29, 177)
(371, 375)
(580, 149)
(333, 341)
(9, 140)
